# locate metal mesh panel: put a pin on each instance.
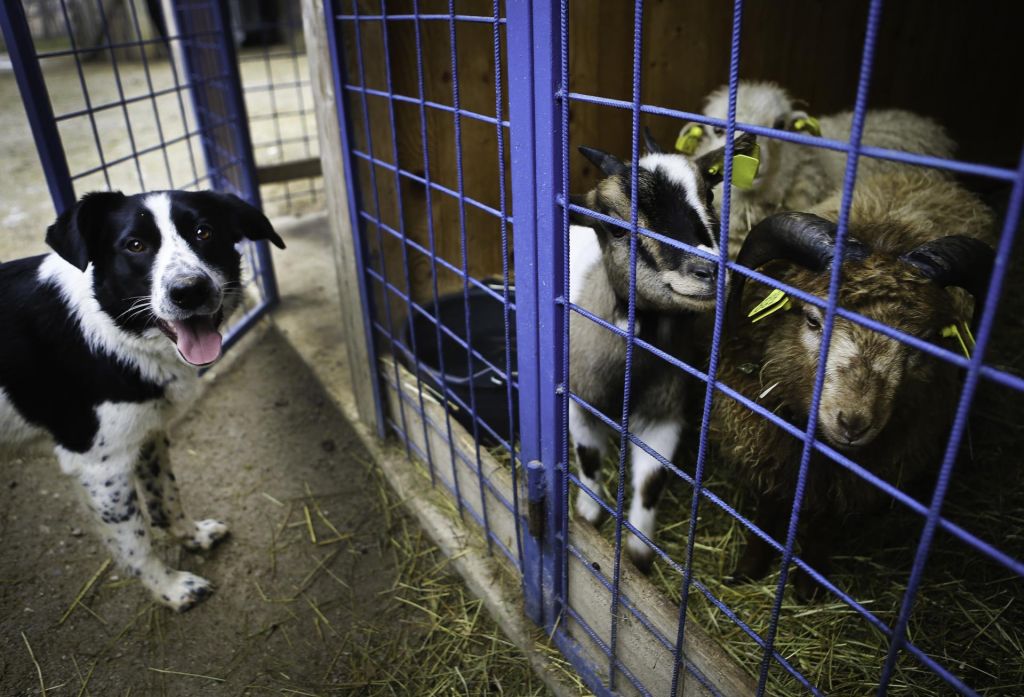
(409, 141)
(118, 98)
(279, 101)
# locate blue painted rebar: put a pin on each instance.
(716, 340)
(368, 133)
(400, 212)
(506, 251)
(464, 251)
(856, 132)
(432, 252)
(634, 239)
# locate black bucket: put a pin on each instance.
(487, 329)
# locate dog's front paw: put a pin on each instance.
(184, 591)
(207, 533)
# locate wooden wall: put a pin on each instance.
(955, 61)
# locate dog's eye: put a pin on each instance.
(134, 245)
(718, 131)
(813, 322)
(203, 233)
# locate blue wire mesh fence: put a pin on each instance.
(120, 97)
(459, 142)
(279, 101)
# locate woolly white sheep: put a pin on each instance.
(796, 177)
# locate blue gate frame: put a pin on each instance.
(210, 74)
(539, 100)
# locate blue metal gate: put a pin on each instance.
(215, 123)
(397, 194)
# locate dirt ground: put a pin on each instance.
(266, 451)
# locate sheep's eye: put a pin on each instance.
(134, 245)
(203, 233)
(813, 322)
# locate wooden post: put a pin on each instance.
(356, 341)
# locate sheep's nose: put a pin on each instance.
(189, 292)
(854, 426)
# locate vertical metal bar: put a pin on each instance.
(499, 130)
(173, 27)
(352, 191)
(562, 545)
(535, 133)
(432, 240)
(230, 91)
(120, 93)
(405, 240)
(149, 84)
(464, 245)
(360, 64)
(244, 149)
(37, 103)
(85, 91)
(720, 300)
(638, 15)
(999, 270)
(856, 131)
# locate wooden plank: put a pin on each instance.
(647, 658)
(289, 171)
(638, 649)
(356, 339)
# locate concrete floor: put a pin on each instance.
(264, 445)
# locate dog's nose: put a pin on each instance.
(854, 426)
(189, 292)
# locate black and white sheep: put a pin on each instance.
(796, 177)
(917, 239)
(672, 288)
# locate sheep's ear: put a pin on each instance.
(689, 138)
(801, 122)
(76, 232)
(650, 143)
(712, 165)
(607, 163)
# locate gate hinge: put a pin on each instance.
(535, 492)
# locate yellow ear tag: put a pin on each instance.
(963, 335)
(808, 125)
(689, 139)
(776, 300)
(744, 168)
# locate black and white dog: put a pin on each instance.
(99, 347)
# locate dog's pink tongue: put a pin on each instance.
(198, 340)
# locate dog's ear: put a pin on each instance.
(76, 232)
(249, 221)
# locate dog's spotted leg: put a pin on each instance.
(163, 502)
(109, 484)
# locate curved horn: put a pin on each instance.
(650, 143)
(801, 238)
(609, 164)
(956, 260)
